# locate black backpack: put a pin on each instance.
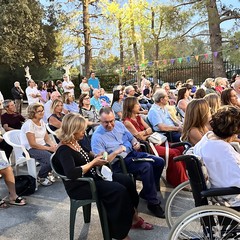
(25, 185)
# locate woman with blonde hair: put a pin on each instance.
(176, 172)
(196, 121)
(214, 102)
(118, 196)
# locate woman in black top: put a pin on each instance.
(118, 196)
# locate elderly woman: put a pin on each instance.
(36, 140)
(221, 159)
(209, 85)
(176, 172)
(88, 111)
(229, 97)
(68, 102)
(196, 122)
(118, 196)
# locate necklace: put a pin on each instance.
(78, 148)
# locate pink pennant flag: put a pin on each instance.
(129, 68)
(206, 56)
(164, 61)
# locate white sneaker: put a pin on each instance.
(51, 177)
(44, 181)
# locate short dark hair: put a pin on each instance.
(226, 121)
(106, 110)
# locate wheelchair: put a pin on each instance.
(206, 221)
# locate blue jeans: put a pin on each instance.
(43, 157)
(150, 173)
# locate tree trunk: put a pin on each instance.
(121, 50)
(134, 43)
(87, 38)
(215, 38)
(155, 71)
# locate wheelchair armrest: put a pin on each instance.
(214, 192)
(182, 158)
(186, 145)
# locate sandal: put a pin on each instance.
(3, 204)
(142, 225)
(19, 201)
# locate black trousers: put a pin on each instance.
(6, 148)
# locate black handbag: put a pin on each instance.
(25, 185)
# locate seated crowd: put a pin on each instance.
(117, 128)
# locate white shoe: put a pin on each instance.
(44, 181)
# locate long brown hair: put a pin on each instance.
(196, 115)
(128, 105)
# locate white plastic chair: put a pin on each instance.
(51, 134)
(13, 138)
(50, 130)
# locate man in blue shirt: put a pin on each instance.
(115, 139)
(93, 83)
(160, 118)
(95, 100)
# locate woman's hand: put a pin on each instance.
(52, 148)
(99, 161)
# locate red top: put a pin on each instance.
(137, 124)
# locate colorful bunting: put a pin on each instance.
(164, 61)
(196, 57)
(215, 54)
(172, 61)
(188, 58)
(180, 60)
(206, 56)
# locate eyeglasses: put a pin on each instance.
(87, 98)
(107, 122)
(40, 111)
(59, 96)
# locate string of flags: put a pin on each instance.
(172, 61)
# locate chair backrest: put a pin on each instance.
(50, 130)
(13, 138)
(196, 178)
(55, 169)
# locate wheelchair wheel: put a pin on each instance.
(208, 223)
(178, 202)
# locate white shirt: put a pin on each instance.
(222, 163)
(39, 132)
(29, 92)
(66, 84)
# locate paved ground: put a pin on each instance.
(46, 216)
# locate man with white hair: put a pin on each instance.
(48, 104)
(67, 84)
(32, 93)
(160, 118)
(17, 94)
(95, 100)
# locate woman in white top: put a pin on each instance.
(36, 140)
(221, 159)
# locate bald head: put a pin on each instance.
(55, 95)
